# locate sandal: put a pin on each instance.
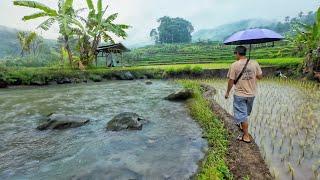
(240, 126)
(240, 138)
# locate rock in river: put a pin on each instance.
(64, 80)
(148, 82)
(3, 84)
(60, 121)
(124, 76)
(126, 121)
(180, 95)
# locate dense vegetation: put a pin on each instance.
(89, 30)
(40, 51)
(306, 41)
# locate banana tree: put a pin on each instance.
(98, 27)
(65, 16)
(307, 38)
(25, 40)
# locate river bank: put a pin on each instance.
(52, 76)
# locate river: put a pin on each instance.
(169, 147)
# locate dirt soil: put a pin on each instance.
(243, 159)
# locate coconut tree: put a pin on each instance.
(99, 27)
(65, 16)
(25, 40)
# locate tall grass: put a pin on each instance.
(213, 166)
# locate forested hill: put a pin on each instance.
(221, 32)
(9, 44)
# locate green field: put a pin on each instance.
(201, 53)
(279, 62)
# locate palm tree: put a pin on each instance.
(25, 40)
(98, 27)
(65, 16)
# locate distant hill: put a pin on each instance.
(138, 44)
(221, 32)
(9, 44)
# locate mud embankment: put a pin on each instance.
(243, 159)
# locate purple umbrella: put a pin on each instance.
(253, 36)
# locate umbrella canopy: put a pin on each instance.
(253, 36)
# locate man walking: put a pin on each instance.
(243, 74)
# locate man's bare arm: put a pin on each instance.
(230, 85)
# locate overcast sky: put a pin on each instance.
(142, 14)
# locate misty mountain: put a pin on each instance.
(9, 44)
(221, 32)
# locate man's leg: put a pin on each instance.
(241, 115)
(245, 125)
(246, 136)
(242, 107)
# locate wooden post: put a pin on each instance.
(97, 59)
(107, 60)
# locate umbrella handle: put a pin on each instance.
(250, 51)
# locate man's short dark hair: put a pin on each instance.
(242, 50)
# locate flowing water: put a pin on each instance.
(285, 123)
(169, 147)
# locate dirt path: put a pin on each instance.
(243, 159)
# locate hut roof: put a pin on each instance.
(113, 48)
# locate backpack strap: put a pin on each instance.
(240, 75)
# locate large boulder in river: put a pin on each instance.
(126, 121)
(60, 121)
(64, 80)
(180, 95)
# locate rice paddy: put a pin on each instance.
(285, 123)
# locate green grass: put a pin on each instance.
(213, 166)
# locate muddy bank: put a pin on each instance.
(54, 77)
(222, 73)
(243, 159)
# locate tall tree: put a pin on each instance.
(26, 39)
(174, 30)
(65, 15)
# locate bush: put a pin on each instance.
(95, 78)
(197, 69)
